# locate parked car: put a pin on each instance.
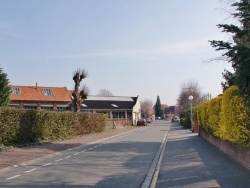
(157, 118)
(148, 120)
(142, 122)
(175, 119)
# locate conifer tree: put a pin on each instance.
(158, 110)
(238, 52)
(4, 89)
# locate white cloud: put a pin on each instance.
(151, 53)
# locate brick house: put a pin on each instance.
(40, 98)
(120, 110)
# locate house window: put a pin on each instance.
(30, 107)
(60, 108)
(118, 114)
(50, 108)
(15, 90)
(47, 91)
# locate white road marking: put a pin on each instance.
(13, 177)
(31, 170)
(47, 164)
(121, 136)
(126, 133)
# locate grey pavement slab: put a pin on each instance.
(191, 161)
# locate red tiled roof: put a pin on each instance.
(33, 93)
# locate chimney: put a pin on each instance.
(36, 85)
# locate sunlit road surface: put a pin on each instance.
(123, 160)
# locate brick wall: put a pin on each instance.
(196, 126)
(119, 123)
(238, 153)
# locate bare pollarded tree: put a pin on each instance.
(147, 107)
(105, 93)
(78, 95)
(187, 89)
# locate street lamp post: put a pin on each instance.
(191, 118)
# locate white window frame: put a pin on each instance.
(15, 90)
(47, 92)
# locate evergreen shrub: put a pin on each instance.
(22, 127)
(226, 117)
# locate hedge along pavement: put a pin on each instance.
(24, 127)
(226, 117)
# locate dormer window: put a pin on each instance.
(47, 92)
(15, 90)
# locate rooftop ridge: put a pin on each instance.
(110, 98)
(37, 86)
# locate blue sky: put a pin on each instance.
(130, 47)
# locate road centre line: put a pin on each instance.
(121, 136)
(151, 178)
(31, 170)
(68, 157)
(58, 160)
(13, 177)
(114, 136)
(46, 164)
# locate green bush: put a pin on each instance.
(226, 117)
(214, 114)
(18, 126)
(203, 118)
(235, 119)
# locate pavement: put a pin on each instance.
(190, 161)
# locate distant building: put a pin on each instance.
(125, 109)
(169, 111)
(116, 107)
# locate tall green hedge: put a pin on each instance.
(214, 114)
(202, 116)
(226, 117)
(235, 119)
(18, 126)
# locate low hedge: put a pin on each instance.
(21, 127)
(185, 122)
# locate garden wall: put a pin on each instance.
(118, 123)
(237, 152)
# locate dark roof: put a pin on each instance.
(108, 103)
(170, 109)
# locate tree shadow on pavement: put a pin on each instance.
(191, 161)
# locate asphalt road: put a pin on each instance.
(120, 161)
